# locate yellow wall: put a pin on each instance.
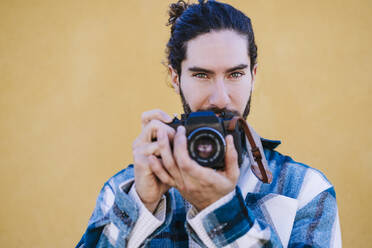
(76, 75)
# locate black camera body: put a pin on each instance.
(205, 133)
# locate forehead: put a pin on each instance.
(217, 50)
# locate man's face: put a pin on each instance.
(216, 74)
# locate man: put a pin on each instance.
(167, 199)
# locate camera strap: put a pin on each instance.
(260, 169)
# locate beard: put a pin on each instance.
(218, 111)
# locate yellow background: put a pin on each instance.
(75, 77)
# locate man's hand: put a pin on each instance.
(201, 186)
(204, 186)
(145, 151)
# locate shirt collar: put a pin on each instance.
(270, 144)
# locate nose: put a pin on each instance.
(220, 95)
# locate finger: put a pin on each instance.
(160, 172)
(181, 154)
(167, 157)
(151, 129)
(149, 149)
(140, 161)
(231, 160)
(189, 168)
(155, 114)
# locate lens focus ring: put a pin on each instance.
(206, 146)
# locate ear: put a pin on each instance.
(253, 72)
(175, 80)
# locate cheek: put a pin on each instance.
(196, 95)
(239, 96)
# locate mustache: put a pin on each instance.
(223, 111)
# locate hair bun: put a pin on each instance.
(176, 10)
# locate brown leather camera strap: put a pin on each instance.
(259, 168)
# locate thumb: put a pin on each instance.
(231, 160)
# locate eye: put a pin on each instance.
(200, 75)
(236, 74)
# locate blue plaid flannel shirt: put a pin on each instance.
(314, 222)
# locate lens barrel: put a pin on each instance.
(207, 147)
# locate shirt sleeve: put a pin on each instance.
(195, 218)
(116, 215)
(270, 220)
(231, 223)
(147, 222)
(113, 218)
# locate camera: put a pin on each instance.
(206, 132)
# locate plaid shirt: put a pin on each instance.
(298, 209)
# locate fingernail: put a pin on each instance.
(181, 129)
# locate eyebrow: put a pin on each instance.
(238, 67)
(200, 69)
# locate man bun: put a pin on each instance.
(176, 10)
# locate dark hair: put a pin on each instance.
(190, 20)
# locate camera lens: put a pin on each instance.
(206, 146)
